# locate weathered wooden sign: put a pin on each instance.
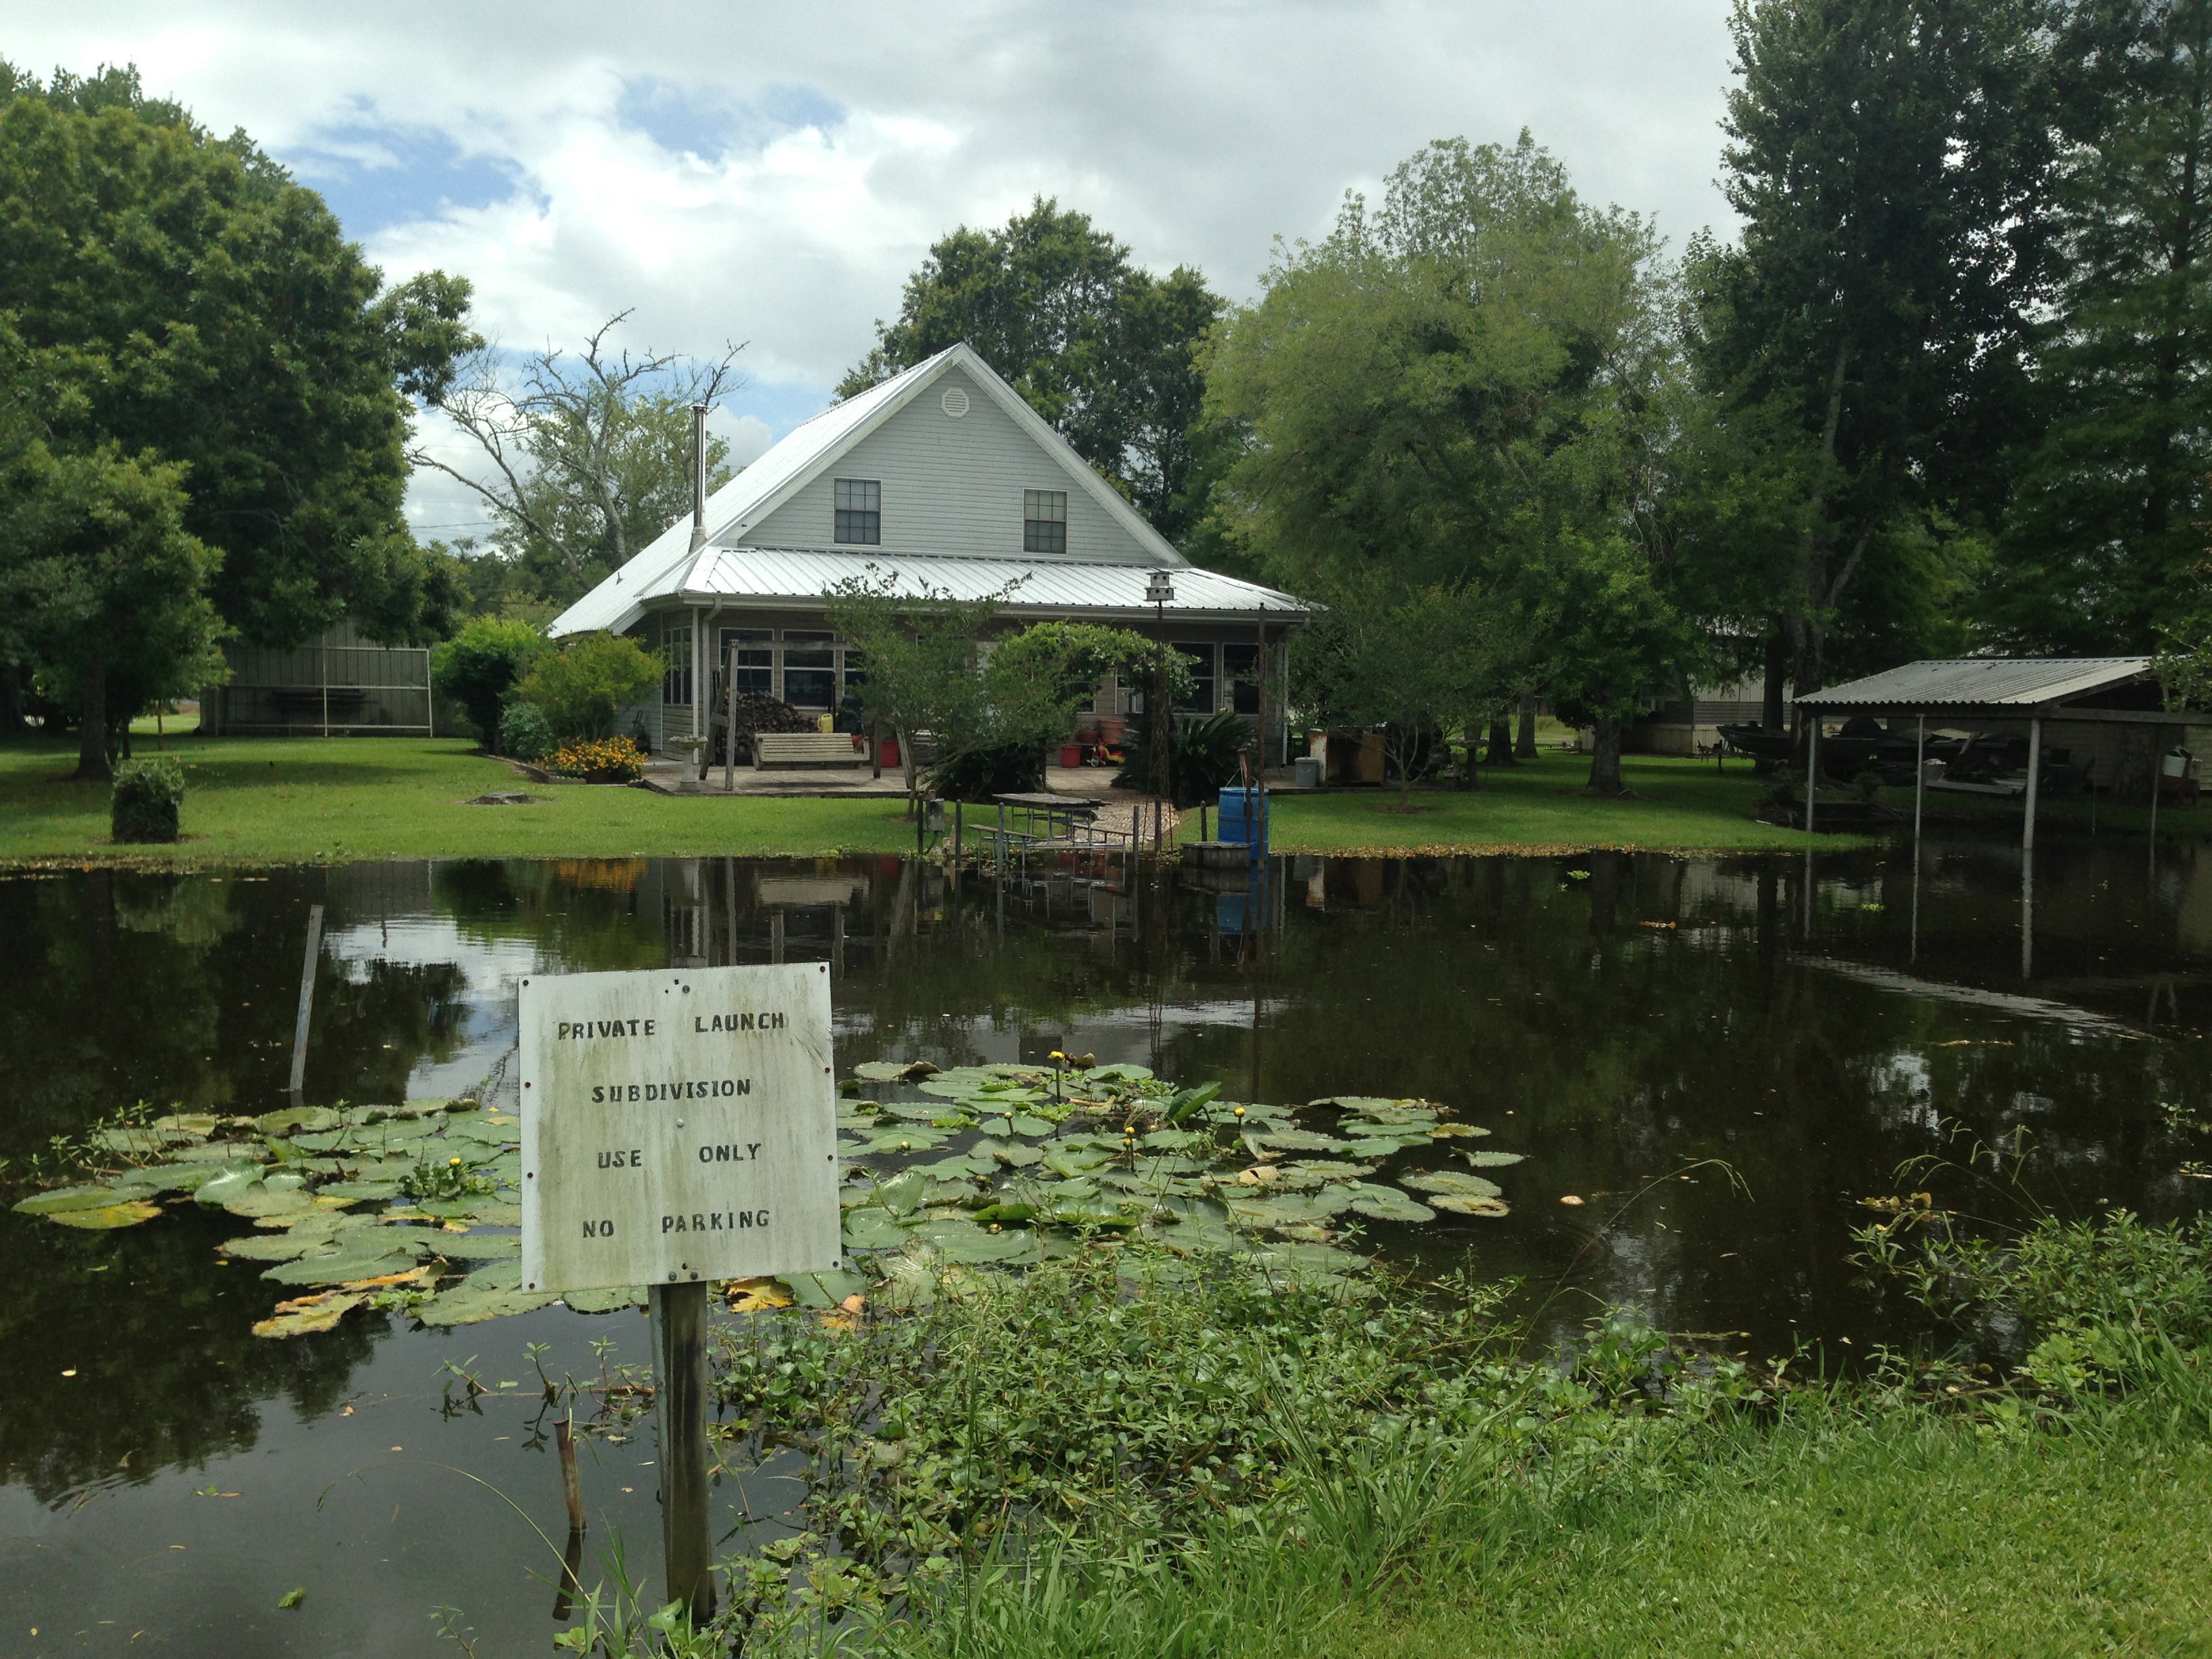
(677, 1125)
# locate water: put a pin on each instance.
(1720, 1069)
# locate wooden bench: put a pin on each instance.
(807, 749)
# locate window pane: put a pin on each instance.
(1201, 700)
(1240, 666)
(1042, 536)
(676, 678)
(755, 659)
(860, 510)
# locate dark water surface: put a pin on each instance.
(1618, 1019)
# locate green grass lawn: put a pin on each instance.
(278, 800)
(1677, 805)
(1898, 1537)
(282, 800)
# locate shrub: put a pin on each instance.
(524, 731)
(148, 794)
(479, 667)
(1205, 757)
(978, 774)
(598, 760)
(580, 687)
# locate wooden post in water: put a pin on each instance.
(679, 1339)
(572, 1489)
(307, 1001)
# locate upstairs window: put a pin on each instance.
(1044, 522)
(860, 511)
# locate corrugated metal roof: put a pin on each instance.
(797, 576)
(1980, 683)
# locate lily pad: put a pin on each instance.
(1019, 1158)
(219, 1151)
(198, 1124)
(267, 1200)
(128, 1213)
(343, 1268)
(872, 1229)
(965, 1241)
(824, 1289)
(881, 1071)
(1297, 1141)
(476, 1247)
(310, 1314)
(294, 1120)
(58, 1199)
(468, 1305)
(600, 1302)
(272, 1247)
(1289, 1207)
(1467, 1204)
(1455, 1181)
(1385, 1203)
(366, 1191)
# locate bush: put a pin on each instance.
(479, 666)
(1204, 759)
(580, 687)
(148, 794)
(599, 760)
(524, 731)
(976, 774)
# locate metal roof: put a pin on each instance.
(1993, 683)
(667, 567)
(796, 578)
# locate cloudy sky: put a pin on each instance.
(771, 173)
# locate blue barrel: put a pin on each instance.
(1242, 818)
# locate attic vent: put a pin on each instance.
(955, 402)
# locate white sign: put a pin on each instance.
(677, 1125)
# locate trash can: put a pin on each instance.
(1308, 767)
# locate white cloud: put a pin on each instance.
(772, 174)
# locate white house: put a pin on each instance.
(946, 478)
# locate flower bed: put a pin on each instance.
(604, 760)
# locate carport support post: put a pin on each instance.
(2156, 761)
(679, 1339)
(1812, 767)
(307, 1001)
(1919, 795)
(2035, 779)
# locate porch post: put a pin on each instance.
(1919, 795)
(699, 682)
(2156, 761)
(2034, 778)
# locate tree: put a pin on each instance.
(480, 668)
(580, 687)
(1103, 351)
(1889, 158)
(2100, 548)
(590, 455)
(1470, 390)
(180, 302)
(94, 555)
(922, 648)
(1420, 664)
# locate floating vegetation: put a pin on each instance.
(414, 1209)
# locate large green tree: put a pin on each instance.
(1468, 389)
(186, 304)
(2107, 522)
(1103, 350)
(1871, 330)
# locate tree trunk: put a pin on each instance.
(1501, 743)
(1470, 775)
(906, 765)
(12, 723)
(92, 765)
(1778, 672)
(1605, 758)
(1525, 745)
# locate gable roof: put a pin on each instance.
(667, 566)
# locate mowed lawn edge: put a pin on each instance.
(251, 800)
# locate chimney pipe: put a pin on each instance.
(698, 476)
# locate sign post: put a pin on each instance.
(679, 1126)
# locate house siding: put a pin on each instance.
(950, 487)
